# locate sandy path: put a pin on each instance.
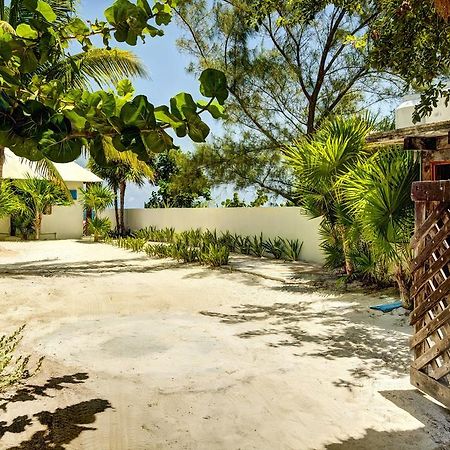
(147, 354)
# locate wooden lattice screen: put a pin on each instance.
(430, 368)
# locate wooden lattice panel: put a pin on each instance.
(430, 368)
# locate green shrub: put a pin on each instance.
(292, 249)
(215, 255)
(161, 250)
(186, 253)
(275, 247)
(99, 227)
(14, 370)
(257, 246)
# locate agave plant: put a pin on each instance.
(274, 247)
(292, 249)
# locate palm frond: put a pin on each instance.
(47, 169)
(103, 66)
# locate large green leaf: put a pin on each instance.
(157, 141)
(197, 129)
(182, 104)
(58, 150)
(26, 31)
(213, 83)
(43, 8)
(139, 113)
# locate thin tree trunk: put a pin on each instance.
(349, 269)
(37, 226)
(2, 160)
(404, 284)
(116, 210)
(122, 188)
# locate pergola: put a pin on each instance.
(430, 367)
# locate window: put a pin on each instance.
(74, 194)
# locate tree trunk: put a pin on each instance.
(37, 226)
(2, 160)
(116, 210)
(122, 188)
(404, 283)
(349, 269)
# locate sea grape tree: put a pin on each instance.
(40, 118)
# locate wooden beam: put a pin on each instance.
(431, 387)
(420, 143)
(397, 136)
(431, 191)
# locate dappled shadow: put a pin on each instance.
(18, 425)
(64, 425)
(85, 268)
(435, 427)
(336, 337)
(33, 392)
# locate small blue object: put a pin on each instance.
(387, 307)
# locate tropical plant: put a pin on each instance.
(377, 192)
(319, 164)
(292, 249)
(14, 369)
(9, 202)
(104, 66)
(99, 227)
(41, 118)
(275, 247)
(119, 169)
(257, 245)
(215, 255)
(38, 197)
(97, 198)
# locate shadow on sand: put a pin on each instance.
(339, 337)
(53, 268)
(61, 426)
(417, 405)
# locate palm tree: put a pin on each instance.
(120, 169)
(318, 163)
(102, 66)
(378, 193)
(38, 196)
(97, 198)
(9, 202)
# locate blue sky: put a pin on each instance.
(166, 66)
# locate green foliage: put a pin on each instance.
(235, 202)
(46, 113)
(290, 66)
(180, 183)
(36, 197)
(9, 202)
(274, 247)
(97, 197)
(14, 369)
(207, 247)
(364, 199)
(215, 255)
(99, 227)
(292, 249)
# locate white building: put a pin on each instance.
(64, 222)
(404, 112)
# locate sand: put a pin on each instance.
(151, 354)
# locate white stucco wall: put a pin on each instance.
(65, 221)
(286, 222)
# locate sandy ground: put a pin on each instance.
(149, 354)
